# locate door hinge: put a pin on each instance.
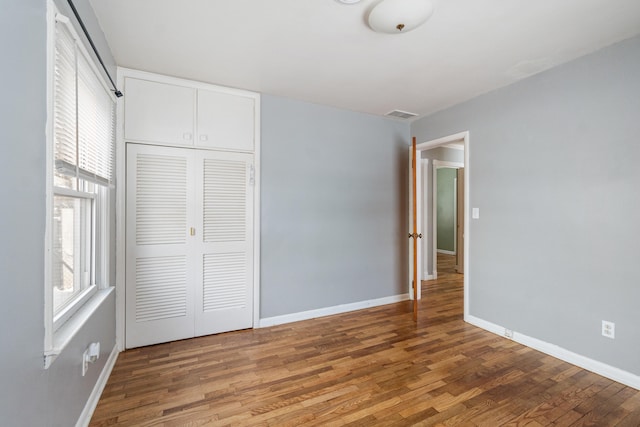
(252, 175)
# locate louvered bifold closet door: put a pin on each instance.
(224, 294)
(160, 259)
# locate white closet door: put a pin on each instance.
(160, 257)
(224, 295)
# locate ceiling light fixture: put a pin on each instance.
(349, 1)
(399, 16)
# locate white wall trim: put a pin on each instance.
(446, 252)
(328, 311)
(425, 204)
(438, 164)
(257, 210)
(121, 215)
(600, 368)
(92, 402)
(461, 136)
(48, 289)
(454, 146)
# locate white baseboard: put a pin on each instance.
(92, 402)
(328, 311)
(427, 276)
(600, 368)
(446, 252)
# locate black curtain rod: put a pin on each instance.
(86, 33)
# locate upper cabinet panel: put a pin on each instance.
(159, 113)
(225, 121)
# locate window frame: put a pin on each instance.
(62, 326)
(70, 308)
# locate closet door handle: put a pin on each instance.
(192, 231)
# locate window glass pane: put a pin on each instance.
(64, 181)
(71, 248)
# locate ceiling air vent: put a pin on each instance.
(400, 114)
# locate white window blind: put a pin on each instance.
(84, 115)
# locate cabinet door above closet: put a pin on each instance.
(200, 116)
(159, 113)
(225, 121)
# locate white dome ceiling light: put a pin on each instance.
(400, 16)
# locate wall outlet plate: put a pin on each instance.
(608, 329)
(508, 333)
(85, 362)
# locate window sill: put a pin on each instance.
(63, 336)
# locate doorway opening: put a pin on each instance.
(443, 213)
(427, 166)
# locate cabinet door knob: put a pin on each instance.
(186, 136)
(204, 137)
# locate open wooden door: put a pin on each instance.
(414, 234)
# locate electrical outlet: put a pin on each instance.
(85, 362)
(90, 355)
(508, 333)
(608, 329)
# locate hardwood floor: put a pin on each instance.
(374, 367)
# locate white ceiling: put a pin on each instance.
(322, 51)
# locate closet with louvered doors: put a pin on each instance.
(189, 239)
(190, 231)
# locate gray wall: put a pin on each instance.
(334, 207)
(445, 213)
(439, 153)
(553, 171)
(30, 395)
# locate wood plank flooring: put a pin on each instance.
(373, 367)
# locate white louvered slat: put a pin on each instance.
(161, 199)
(161, 288)
(225, 186)
(224, 281)
(64, 116)
(95, 131)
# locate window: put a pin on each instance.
(81, 155)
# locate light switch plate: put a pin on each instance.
(475, 213)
